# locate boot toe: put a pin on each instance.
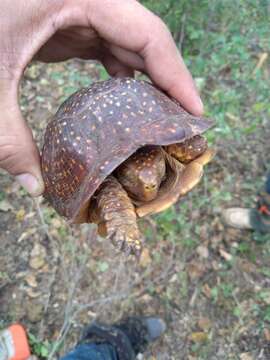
(238, 218)
(155, 327)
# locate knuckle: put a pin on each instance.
(12, 152)
(8, 152)
(159, 26)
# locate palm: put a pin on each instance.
(84, 43)
(74, 42)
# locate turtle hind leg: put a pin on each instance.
(116, 217)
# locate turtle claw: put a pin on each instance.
(126, 239)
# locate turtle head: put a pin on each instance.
(148, 182)
(142, 174)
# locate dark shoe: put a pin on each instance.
(129, 337)
(142, 331)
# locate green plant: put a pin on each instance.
(38, 347)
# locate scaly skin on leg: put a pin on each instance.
(188, 150)
(194, 171)
(116, 218)
(194, 153)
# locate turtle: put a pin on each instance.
(120, 150)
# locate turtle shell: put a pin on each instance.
(99, 127)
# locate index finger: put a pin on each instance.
(129, 25)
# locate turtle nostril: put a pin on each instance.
(150, 187)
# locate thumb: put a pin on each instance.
(18, 152)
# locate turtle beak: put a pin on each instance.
(150, 191)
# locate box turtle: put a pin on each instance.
(119, 150)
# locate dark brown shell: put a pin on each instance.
(98, 128)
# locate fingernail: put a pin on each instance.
(199, 107)
(30, 184)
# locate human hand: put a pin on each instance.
(122, 34)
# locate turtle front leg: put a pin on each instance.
(115, 215)
(193, 171)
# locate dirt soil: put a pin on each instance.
(214, 295)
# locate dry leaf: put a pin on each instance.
(145, 258)
(5, 206)
(262, 58)
(198, 336)
(38, 249)
(26, 234)
(225, 255)
(37, 262)
(38, 255)
(207, 291)
(56, 222)
(246, 356)
(202, 251)
(267, 334)
(204, 323)
(195, 270)
(32, 294)
(31, 280)
(20, 214)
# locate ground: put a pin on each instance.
(210, 283)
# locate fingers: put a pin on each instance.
(166, 68)
(128, 25)
(18, 152)
(115, 68)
